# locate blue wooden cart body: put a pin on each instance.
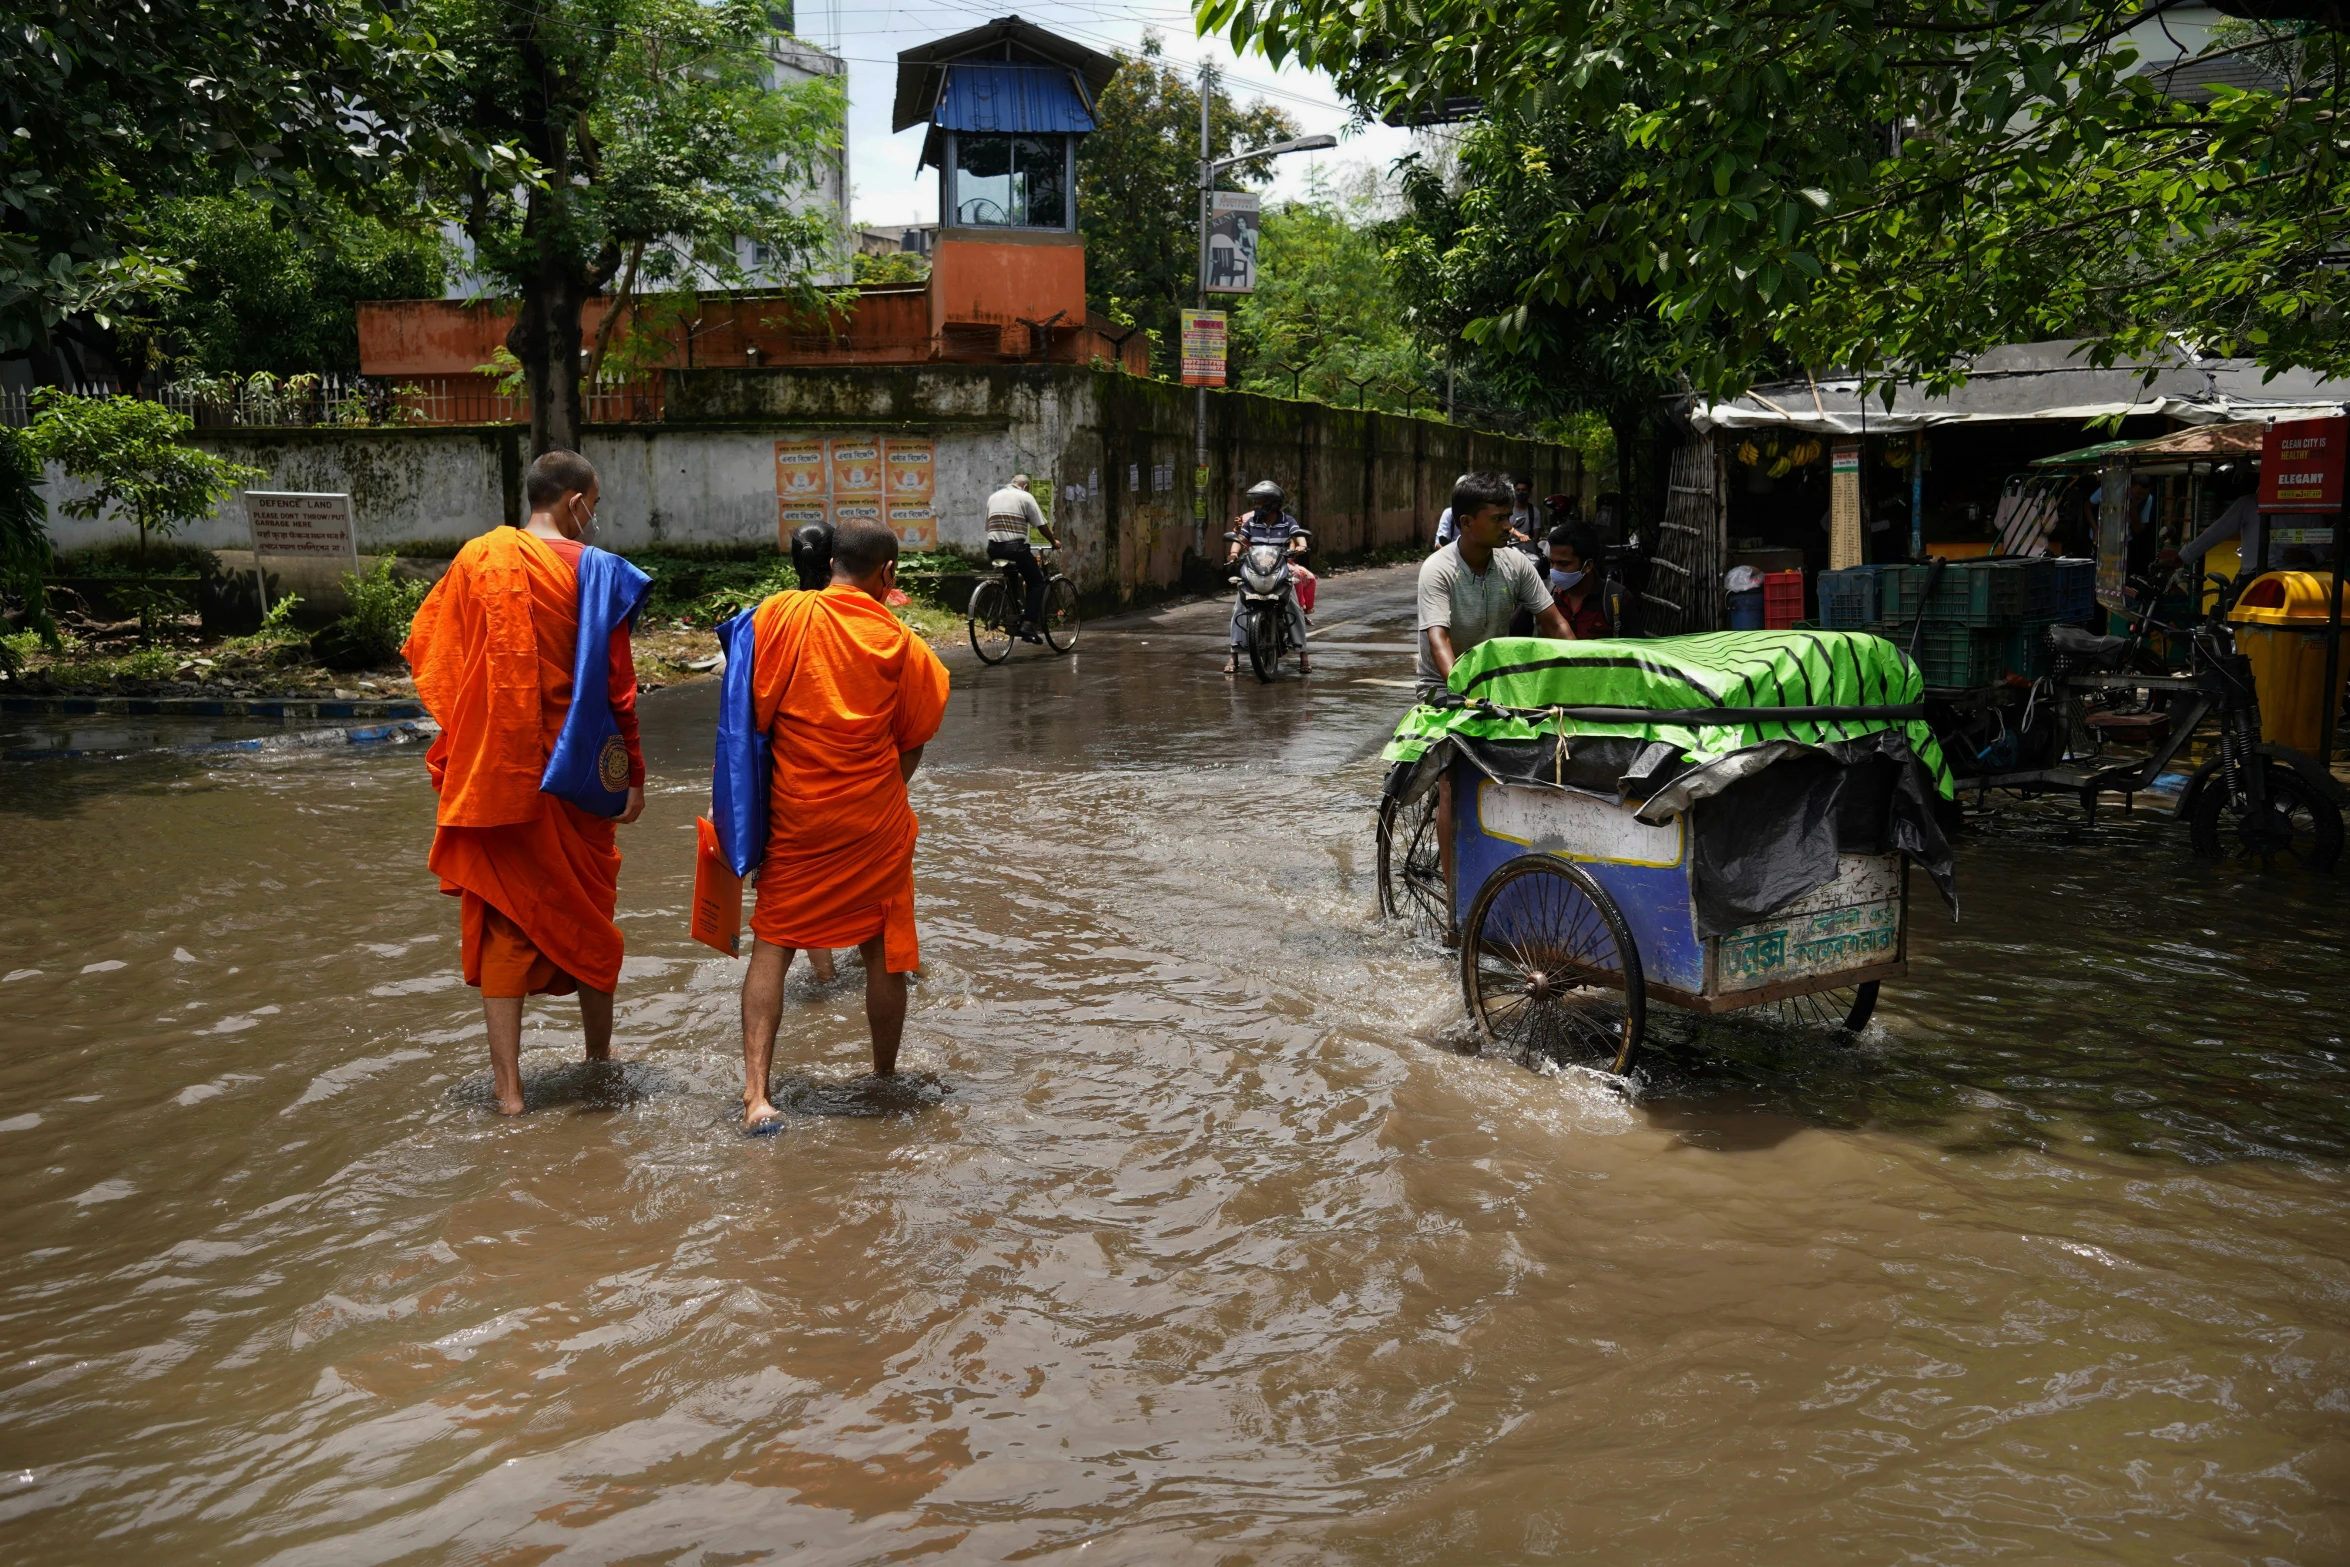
(1847, 932)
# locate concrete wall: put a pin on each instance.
(1111, 456)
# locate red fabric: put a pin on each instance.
(1587, 623)
(491, 647)
(1305, 586)
(842, 689)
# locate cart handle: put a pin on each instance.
(1691, 715)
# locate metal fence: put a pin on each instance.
(352, 402)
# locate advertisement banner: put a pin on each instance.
(800, 471)
(1203, 348)
(915, 524)
(856, 468)
(2301, 465)
(911, 462)
(1232, 242)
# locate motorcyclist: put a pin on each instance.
(1267, 521)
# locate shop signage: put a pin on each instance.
(1203, 348)
(2301, 465)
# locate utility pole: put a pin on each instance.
(1199, 421)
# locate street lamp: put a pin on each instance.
(1209, 168)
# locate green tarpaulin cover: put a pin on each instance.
(1728, 669)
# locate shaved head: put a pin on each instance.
(861, 547)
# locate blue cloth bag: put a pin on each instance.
(738, 779)
(590, 764)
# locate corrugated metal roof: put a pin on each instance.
(990, 95)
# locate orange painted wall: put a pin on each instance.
(439, 336)
(1004, 282)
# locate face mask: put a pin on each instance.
(587, 525)
(1561, 581)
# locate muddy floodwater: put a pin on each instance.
(1194, 1235)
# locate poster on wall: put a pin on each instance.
(844, 478)
(2301, 465)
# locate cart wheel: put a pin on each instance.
(1848, 1009)
(1411, 875)
(1548, 966)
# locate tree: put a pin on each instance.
(655, 151)
(115, 108)
(1326, 309)
(1893, 184)
(130, 454)
(24, 538)
(1138, 187)
(259, 293)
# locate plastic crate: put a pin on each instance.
(1958, 656)
(1900, 592)
(2028, 655)
(2039, 587)
(2076, 589)
(1848, 598)
(1977, 593)
(1782, 600)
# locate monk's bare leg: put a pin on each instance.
(762, 1014)
(885, 1007)
(595, 1020)
(820, 964)
(504, 1016)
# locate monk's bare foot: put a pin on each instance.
(598, 1053)
(758, 1113)
(820, 964)
(511, 1106)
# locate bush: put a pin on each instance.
(370, 634)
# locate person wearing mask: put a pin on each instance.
(1524, 522)
(1574, 582)
(1267, 521)
(1011, 512)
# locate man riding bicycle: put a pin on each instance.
(1011, 512)
(1266, 521)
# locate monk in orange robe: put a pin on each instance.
(847, 697)
(537, 878)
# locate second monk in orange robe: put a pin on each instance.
(847, 697)
(537, 877)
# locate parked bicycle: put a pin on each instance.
(994, 617)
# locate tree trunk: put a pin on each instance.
(546, 340)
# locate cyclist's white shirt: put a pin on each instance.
(1011, 512)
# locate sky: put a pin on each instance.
(887, 191)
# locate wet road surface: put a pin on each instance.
(1193, 1238)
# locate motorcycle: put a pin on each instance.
(1266, 591)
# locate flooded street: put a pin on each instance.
(1194, 1238)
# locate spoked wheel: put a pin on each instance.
(1548, 966)
(2298, 826)
(1264, 643)
(1411, 874)
(1060, 615)
(991, 632)
(1849, 1008)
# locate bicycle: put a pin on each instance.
(996, 604)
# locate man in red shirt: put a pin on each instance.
(1574, 581)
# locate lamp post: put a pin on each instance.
(1209, 168)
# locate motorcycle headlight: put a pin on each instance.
(1260, 581)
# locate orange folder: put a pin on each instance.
(718, 894)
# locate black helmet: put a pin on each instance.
(1264, 493)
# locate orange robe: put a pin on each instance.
(538, 878)
(840, 687)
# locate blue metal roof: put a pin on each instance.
(994, 95)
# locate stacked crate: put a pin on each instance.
(1849, 598)
(1782, 600)
(1975, 627)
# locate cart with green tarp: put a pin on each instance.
(1712, 822)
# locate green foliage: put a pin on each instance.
(369, 634)
(115, 108)
(25, 558)
(650, 139)
(1327, 305)
(902, 266)
(130, 455)
(1888, 186)
(1138, 189)
(259, 293)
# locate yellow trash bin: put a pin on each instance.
(2281, 626)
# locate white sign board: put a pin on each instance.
(1232, 242)
(292, 522)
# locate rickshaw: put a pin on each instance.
(1715, 823)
